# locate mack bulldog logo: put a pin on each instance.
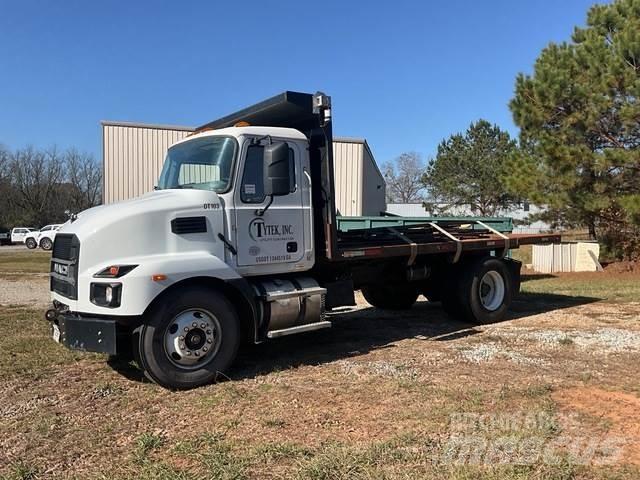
(260, 231)
(60, 269)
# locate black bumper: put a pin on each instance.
(88, 334)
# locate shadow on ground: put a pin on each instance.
(362, 331)
(535, 303)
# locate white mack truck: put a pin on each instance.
(240, 242)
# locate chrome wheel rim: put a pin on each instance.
(192, 338)
(492, 290)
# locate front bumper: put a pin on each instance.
(89, 334)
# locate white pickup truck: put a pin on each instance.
(15, 235)
(240, 242)
(43, 237)
(18, 234)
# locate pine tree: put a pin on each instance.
(579, 115)
(469, 168)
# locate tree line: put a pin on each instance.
(37, 186)
(578, 151)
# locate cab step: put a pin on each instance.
(298, 329)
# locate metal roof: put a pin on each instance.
(113, 123)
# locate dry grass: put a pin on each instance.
(618, 287)
(372, 397)
(24, 261)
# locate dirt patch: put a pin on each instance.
(24, 289)
(617, 413)
(623, 267)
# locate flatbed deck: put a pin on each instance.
(429, 238)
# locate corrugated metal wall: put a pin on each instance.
(566, 257)
(132, 157)
(347, 175)
(374, 200)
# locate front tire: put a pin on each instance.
(188, 338)
(46, 244)
(391, 297)
(31, 243)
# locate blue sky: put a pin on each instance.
(404, 75)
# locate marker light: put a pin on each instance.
(158, 277)
(115, 271)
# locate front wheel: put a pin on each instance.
(31, 243)
(188, 338)
(46, 243)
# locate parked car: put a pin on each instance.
(5, 236)
(43, 238)
(18, 234)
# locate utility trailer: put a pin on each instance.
(240, 243)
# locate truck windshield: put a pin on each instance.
(202, 163)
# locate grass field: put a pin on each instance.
(618, 287)
(379, 395)
(24, 261)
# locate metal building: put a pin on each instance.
(133, 153)
(132, 157)
(359, 185)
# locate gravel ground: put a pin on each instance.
(601, 340)
(22, 289)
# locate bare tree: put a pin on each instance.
(5, 186)
(85, 178)
(5, 156)
(403, 177)
(36, 176)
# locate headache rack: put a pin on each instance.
(444, 237)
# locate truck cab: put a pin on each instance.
(271, 233)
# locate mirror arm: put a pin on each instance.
(261, 211)
(257, 141)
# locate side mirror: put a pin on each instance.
(277, 170)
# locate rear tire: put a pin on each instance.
(46, 244)
(188, 338)
(30, 243)
(391, 297)
(484, 291)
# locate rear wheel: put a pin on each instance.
(46, 243)
(391, 297)
(30, 243)
(484, 291)
(188, 338)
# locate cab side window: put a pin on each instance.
(252, 187)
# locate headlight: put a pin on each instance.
(106, 294)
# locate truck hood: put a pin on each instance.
(142, 226)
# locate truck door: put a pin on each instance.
(277, 236)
